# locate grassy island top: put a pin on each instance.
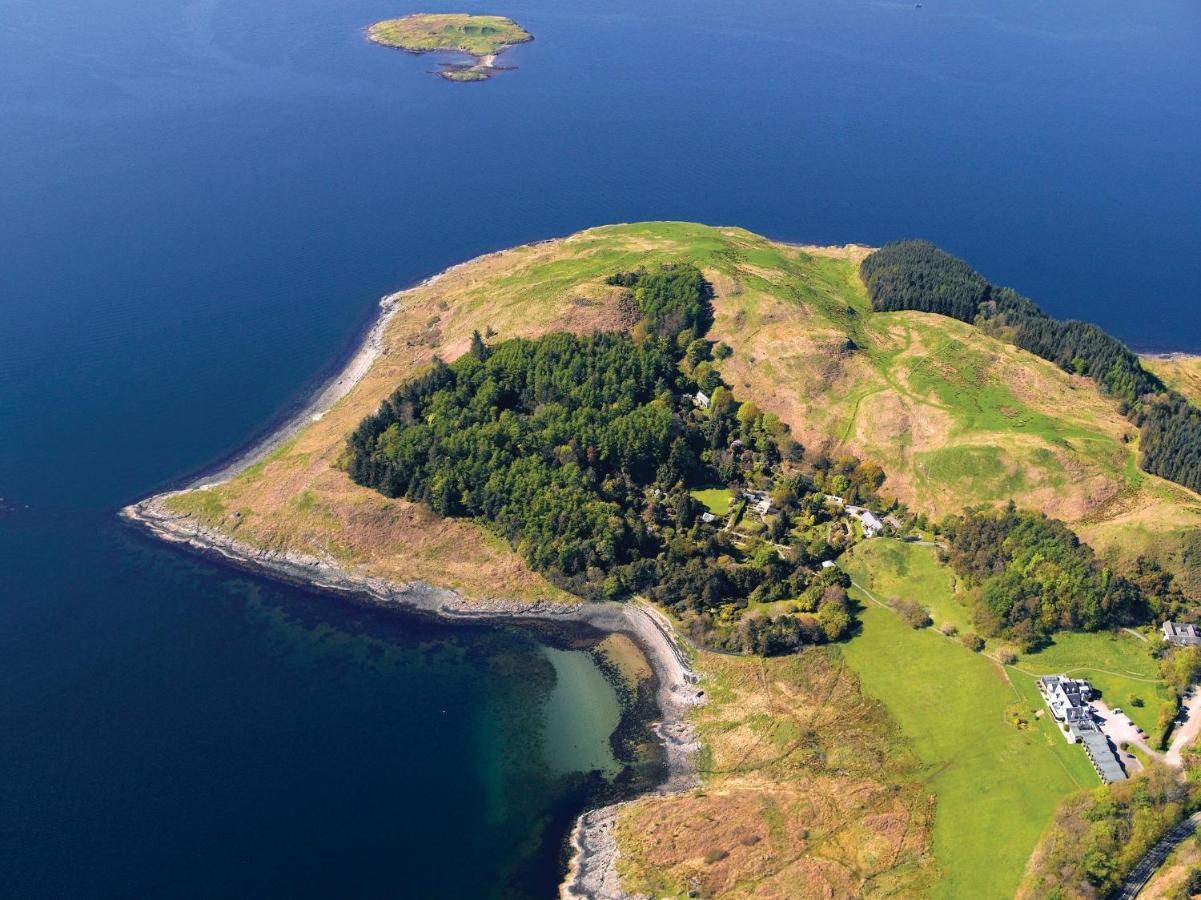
(478, 36)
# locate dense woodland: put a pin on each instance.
(581, 452)
(1036, 577)
(917, 275)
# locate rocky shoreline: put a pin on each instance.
(592, 872)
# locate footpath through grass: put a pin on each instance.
(895, 569)
(997, 772)
(1118, 665)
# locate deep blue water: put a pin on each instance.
(200, 203)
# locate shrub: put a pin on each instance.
(1007, 657)
(913, 613)
(949, 630)
(972, 641)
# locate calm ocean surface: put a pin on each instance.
(200, 203)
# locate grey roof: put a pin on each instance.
(1181, 632)
(1096, 745)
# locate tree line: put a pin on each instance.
(1100, 835)
(917, 275)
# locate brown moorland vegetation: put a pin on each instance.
(808, 791)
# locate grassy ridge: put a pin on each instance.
(1180, 373)
(953, 416)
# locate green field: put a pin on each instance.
(716, 500)
(892, 568)
(1120, 666)
(997, 784)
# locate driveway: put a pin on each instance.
(1120, 730)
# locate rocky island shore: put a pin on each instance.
(481, 37)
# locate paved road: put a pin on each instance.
(1137, 880)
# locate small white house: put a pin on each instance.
(872, 525)
(708, 517)
(827, 564)
(759, 501)
(701, 399)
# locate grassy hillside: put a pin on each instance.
(995, 769)
(954, 417)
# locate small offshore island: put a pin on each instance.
(833, 513)
(482, 37)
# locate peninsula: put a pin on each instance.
(784, 473)
(480, 37)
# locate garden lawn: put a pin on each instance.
(716, 500)
(997, 785)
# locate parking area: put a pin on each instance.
(1122, 732)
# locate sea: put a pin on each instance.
(201, 202)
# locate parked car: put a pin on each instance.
(1117, 710)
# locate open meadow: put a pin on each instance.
(995, 768)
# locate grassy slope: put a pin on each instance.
(1183, 373)
(990, 776)
(954, 417)
(476, 35)
(895, 569)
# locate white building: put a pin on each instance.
(872, 525)
(1067, 698)
(1181, 635)
(760, 501)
